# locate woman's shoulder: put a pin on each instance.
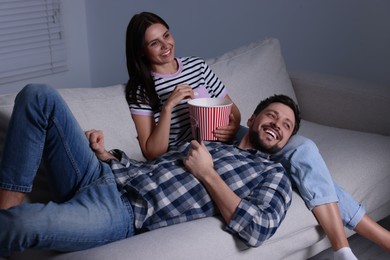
(194, 63)
(192, 59)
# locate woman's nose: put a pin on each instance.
(164, 44)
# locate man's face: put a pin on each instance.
(271, 129)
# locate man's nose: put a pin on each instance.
(276, 124)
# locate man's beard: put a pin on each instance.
(254, 139)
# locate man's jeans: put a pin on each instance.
(90, 211)
(309, 173)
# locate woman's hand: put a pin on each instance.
(178, 94)
(227, 133)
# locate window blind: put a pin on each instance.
(31, 39)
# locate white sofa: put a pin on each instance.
(348, 119)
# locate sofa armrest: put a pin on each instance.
(343, 102)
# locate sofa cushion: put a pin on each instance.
(95, 108)
(258, 69)
(105, 109)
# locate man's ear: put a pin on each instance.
(251, 120)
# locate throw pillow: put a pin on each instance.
(252, 73)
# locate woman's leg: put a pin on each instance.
(303, 161)
(328, 216)
(371, 230)
(310, 174)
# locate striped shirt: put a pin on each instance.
(192, 71)
(162, 192)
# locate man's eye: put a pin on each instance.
(271, 115)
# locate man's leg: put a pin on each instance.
(95, 216)
(10, 199)
(42, 124)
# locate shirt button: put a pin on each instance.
(150, 174)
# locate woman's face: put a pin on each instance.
(159, 45)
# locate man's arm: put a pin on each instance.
(254, 218)
(259, 214)
(200, 164)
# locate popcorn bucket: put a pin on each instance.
(206, 115)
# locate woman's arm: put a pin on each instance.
(154, 138)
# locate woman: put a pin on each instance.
(160, 85)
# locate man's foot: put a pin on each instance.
(10, 199)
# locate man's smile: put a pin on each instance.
(272, 132)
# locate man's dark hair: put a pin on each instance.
(284, 100)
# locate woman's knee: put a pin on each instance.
(297, 145)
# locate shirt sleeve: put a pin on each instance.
(213, 83)
(258, 216)
(140, 108)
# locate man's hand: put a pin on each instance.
(199, 161)
(96, 142)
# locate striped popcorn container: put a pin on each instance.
(206, 115)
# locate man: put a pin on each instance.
(105, 196)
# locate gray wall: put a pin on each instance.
(343, 37)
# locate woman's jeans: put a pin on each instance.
(309, 173)
(90, 211)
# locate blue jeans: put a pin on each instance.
(310, 175)
(88, 211)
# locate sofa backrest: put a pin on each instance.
(95, 108)
(253, 72)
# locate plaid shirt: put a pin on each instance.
(162, 192)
